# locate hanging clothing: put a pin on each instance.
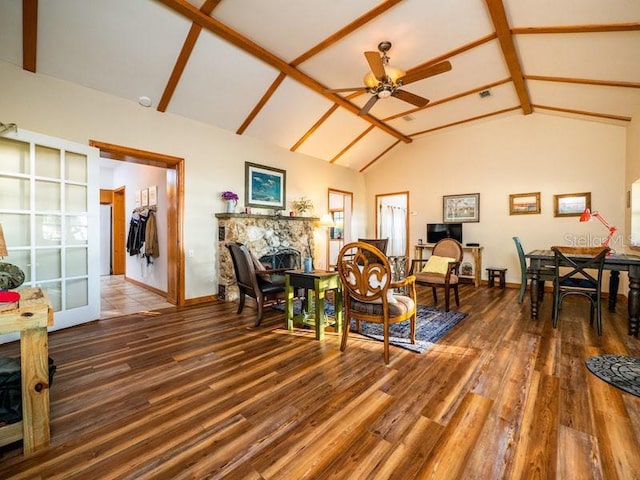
(151, 247)
(135, 239)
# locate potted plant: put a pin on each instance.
(302, 205)
(231, 200)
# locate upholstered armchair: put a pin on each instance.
(440, 270)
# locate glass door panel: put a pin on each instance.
(77, 293)
(76, 198)
(48, 264)
(48, 198)
(77, 262)
(75, 167)
(47, 162)
(15, 156)
(14, 193)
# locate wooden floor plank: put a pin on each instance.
(200, 392)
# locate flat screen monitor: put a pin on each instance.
(438, 231)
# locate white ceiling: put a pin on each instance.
(563, 57)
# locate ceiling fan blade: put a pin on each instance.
(367, 106)
(376, 65)
(355, 89)
(425, 72)
(409, 97)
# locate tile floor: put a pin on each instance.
(119, 297)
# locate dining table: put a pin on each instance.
(615, 263)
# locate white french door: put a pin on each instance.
(49, 211)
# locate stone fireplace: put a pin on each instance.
(264, 236)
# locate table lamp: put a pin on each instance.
(10, 275)
(587, 216)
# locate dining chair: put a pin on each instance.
(368, 292)
(547, 273)
(440, 270)
(254, 280)
(581, 274)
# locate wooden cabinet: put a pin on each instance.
(30, 316)
(476, 252)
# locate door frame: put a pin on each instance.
(175, 207)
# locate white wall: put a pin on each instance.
(515, 154)
(214, 158)
(632, 218)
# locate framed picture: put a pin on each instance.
(571, 204)
(144, 197)
(265, 186)
(524, 203)
(153, 195)
(461, 208)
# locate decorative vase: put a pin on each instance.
(231, 206)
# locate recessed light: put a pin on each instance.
(144, 101)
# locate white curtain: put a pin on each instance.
(393, 224)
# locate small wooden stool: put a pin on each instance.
(493, 273)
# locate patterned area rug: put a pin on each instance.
(431, 325)
(618, 370)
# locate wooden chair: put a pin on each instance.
(546, 273)
(379, 243)
(368, 292)
(577, 280)
(254, 279)
(446, 277)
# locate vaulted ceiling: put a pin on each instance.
(262, 68)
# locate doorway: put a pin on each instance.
(341, 211)
(175, 199)
(392, 222)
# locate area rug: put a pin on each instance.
(431, 325)
(618, 370)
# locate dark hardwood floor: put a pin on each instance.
(198, 392)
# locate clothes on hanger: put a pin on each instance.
(143, 235)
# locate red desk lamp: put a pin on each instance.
(587, 216)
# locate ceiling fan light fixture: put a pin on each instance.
(392, 73)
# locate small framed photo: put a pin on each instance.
(461, 208)
(144, 197)
(153, 195)
(524, 203)
(265, 186)
(571, 204)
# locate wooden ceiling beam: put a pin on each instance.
(449, 99)
(223, 31)
(356, 140)
(499, 19)
(317, 125)
(583, 112)
(263, 101)
(29, 34)
(343, 32)
(378, 157)
(605, 27)
(357, 23)
(181, 63)
(584, 81)
(466, 120)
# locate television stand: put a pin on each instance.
(476, 252)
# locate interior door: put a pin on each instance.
(50, 214)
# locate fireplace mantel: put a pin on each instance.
(265, 217)
(262, 235)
